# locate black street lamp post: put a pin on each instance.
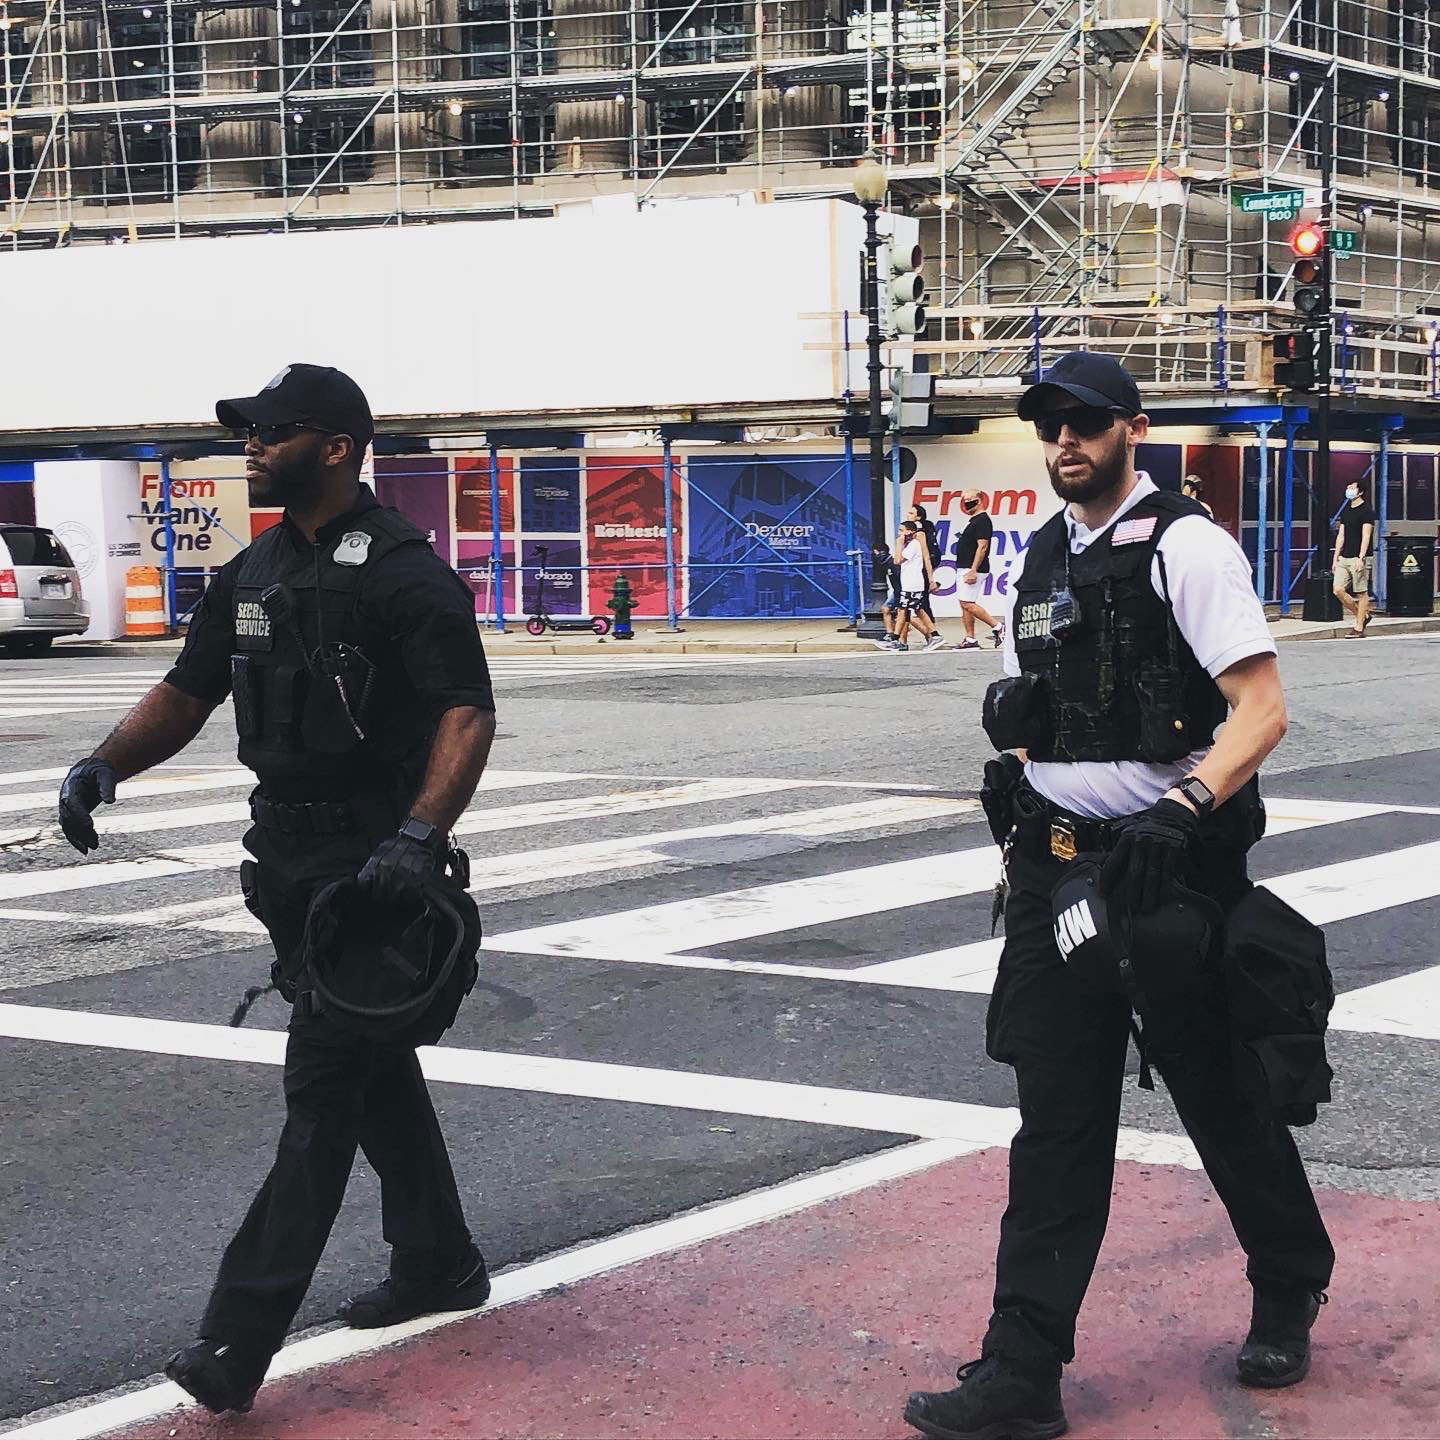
(870, 186)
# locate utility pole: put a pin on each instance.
(1320, 479)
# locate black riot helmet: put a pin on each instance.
(1149, 957)
(397, 969)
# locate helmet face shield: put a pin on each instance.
(393, 969)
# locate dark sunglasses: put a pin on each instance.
(277, 434)
(1085, 422)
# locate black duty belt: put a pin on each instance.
(315, 817)
(1046, 831)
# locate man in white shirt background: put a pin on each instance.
(1135, 632)
(913, 558)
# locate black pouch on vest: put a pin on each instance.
(284, 698)
(245, 690)
(1016, 713)
(1164, 733)
(1278, 992)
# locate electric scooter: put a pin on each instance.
(539, 621)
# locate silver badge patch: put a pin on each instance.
(353, 549)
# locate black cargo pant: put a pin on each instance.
(1068, 1046)
(340, 1091)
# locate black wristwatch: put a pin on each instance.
(1198, 793)
(423, 831)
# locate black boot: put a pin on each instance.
(997, 1399)
(221, 1377)
(1276, 1352)
(391, 1304)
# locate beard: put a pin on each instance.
(1101, 476)
(287, 486)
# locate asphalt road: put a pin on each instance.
(123, 1171)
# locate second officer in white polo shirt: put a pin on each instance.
(1135, 632)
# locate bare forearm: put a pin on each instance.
(164, 722)
(457, 760)
(1256, 725)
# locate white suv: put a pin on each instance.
(40, 595)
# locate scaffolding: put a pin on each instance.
(1078, 166)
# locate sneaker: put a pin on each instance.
(899, 646)
(997, 1399)
(219, 1376)
(969, 644)
(934, 642)
(998, 635)
(389, 1304)
(1276, 1352)
(888, 643)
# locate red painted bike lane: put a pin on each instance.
(819, 1323)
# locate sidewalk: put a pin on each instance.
(817, 1321)
(741, 637)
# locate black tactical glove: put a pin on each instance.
(400, 863)
(88, 783)
(1150, 857)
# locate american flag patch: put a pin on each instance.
(1130, 531)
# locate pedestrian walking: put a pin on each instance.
(972, 562)
(1192, 488)
(1135, 633)
(918, 514)
(1354, 545)
(913, 562)
(363, 705)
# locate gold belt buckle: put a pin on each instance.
(1062, 840)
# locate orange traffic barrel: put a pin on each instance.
(144, 601)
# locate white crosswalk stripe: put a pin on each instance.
(697, 933)
(25, 694)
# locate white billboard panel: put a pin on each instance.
(693, 303)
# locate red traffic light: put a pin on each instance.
(1308, 240)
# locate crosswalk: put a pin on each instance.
(27, 692)
(664, 873)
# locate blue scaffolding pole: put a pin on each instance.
(1262, 509)
(852, 585)
(497, 564)
(670, 618)
(167, 507)
(1287, 517)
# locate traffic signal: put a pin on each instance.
(1294, 354)
(912, 396)
(902, 290)
(1310, 273)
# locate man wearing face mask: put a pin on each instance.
(1354, 541)
(972, 561)
(1135, 632)
(363, 704)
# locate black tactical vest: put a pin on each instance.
(311, 702)
(1123, 685)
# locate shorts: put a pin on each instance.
(964, 592)
(912, 600)
(1353, 574)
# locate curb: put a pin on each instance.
(497, 645)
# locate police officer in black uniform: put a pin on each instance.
(363, 704)
(1135, 633)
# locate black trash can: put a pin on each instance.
(1320, 599)
(1409, 574)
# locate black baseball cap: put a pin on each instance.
(1087, 377)
(317, 395)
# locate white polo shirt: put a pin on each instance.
(1213, 597)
